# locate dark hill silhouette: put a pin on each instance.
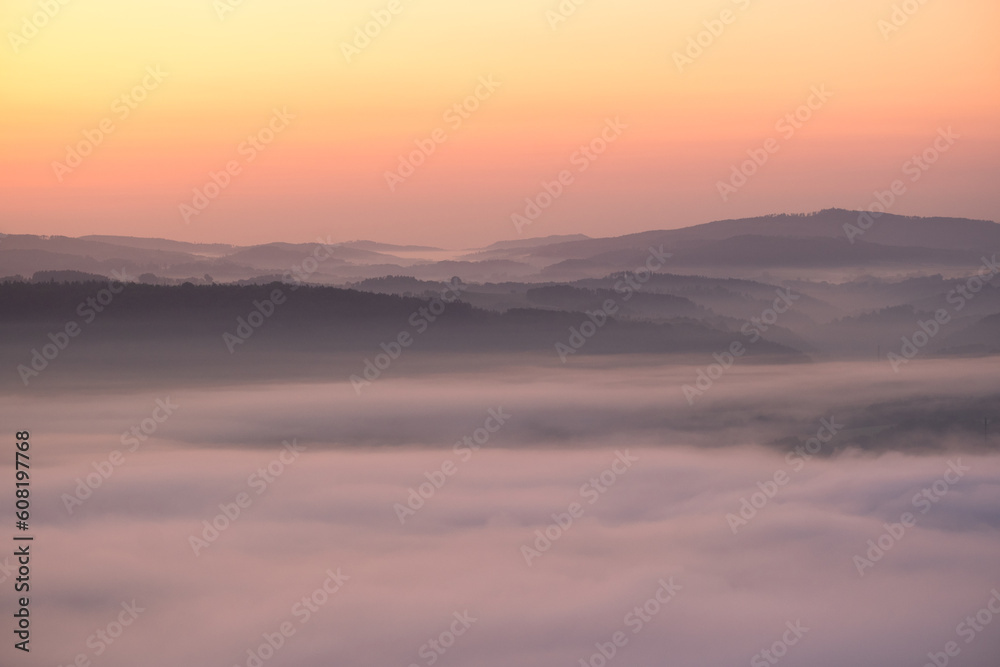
(331, 320)
(805, 244)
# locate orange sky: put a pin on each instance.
(222, 75)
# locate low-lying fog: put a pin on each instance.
(747, 513)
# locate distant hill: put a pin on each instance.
(536, 242)
(850, 299)
(389, 247)
(812, 246)
(887, 230)
(66, 277)
(207, 249)
(184, 326)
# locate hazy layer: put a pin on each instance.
(664, 516)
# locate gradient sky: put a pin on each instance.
(325, 173)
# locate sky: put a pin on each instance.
(258, 121)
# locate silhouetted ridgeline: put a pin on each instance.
(827, 245)
(325, 319)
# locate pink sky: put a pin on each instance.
(690, 116)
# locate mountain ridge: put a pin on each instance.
(746, 247)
